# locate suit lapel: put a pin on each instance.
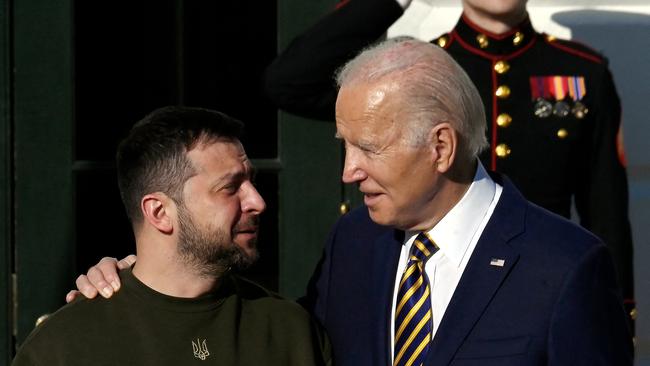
(384, 266)
(481, 278)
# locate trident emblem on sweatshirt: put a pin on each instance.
(200, 349)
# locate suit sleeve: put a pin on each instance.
(315, 300)
(602, 198)
(588, 325)
(301, 79)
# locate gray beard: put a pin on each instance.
(209, 253)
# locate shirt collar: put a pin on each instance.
(487, 44)
(455, 231)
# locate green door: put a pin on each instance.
(42, 113)
(310, 188)
(6, 187)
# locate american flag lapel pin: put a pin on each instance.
(497, 262)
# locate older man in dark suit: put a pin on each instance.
(447, 264)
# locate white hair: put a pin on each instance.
(434, 87)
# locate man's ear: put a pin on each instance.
(158, 210)
(444, 142)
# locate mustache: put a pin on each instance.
(252, 223)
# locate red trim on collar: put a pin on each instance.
(493, 35)
(490, 56)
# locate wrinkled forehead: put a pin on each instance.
(369, 108)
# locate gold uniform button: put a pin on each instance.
(550, 38)
(518, 38)
(502, 150)
(633, 314)
(482, 40)
(344, 208)
(501, 67)
(562, 133)
(503, 92)
(504, 120)
(442, 41)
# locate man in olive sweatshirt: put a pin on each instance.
(185, 181)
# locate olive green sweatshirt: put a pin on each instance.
(239, 324)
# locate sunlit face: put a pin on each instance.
(398, 181)
(219, 216)
(496, 8)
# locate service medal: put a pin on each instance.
(561, 109)
(579, 110)
(543, 108)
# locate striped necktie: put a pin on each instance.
(413, 327)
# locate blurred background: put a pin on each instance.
(74, 76)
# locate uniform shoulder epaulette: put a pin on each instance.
(443, 41)
(575, 48)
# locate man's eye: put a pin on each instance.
(368, 150)
(231, 188)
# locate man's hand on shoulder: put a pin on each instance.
(101, 278)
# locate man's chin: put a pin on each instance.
(248, 252)
(379, 217)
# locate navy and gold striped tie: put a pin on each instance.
(413, 327)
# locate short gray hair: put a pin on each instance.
(434, 86)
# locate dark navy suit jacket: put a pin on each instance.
(554, 302)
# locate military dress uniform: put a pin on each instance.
(553, 114)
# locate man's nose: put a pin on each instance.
(353, 171)
(252, 201)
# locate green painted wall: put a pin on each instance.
(5, 187)
(310, 189)
(43, 122)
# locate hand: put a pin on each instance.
(101, 278)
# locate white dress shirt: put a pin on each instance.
(456, 235)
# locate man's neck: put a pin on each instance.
(495, 24)
(173, 279)
(457, 182)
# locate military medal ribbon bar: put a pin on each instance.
(546, 89)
